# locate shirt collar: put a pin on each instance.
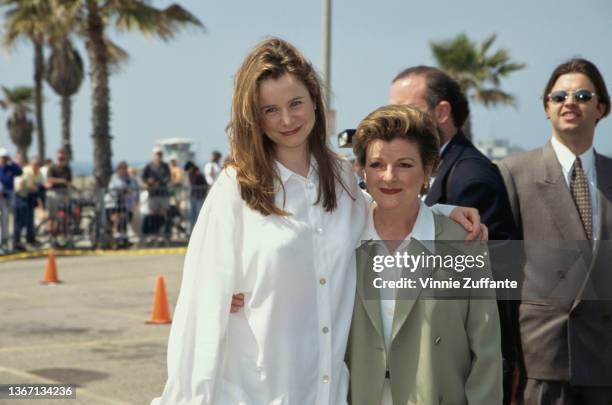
(566, 157)
(285, 174)
(423, 230)
(443, 147)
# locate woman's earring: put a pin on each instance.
(425, 188)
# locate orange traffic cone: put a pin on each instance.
(160, 313)
(50, 276)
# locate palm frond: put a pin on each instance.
(493, 97)
(477, 71)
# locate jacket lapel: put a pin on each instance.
(364, 255)
(405, 300)
(604, 206)
(558, 197)
(604, 194)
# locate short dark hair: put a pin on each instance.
(587, 68)
(189, 165)
(399, 122)
(441, 87)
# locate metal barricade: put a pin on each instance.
(91, 218)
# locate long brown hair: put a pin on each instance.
(251, 151)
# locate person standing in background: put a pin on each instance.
(8, 171)
(29, 189)
(199, 189)
(562, 192)
(213, 168)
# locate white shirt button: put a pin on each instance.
(310, 185)
(319, 231)
(325, 379)
(325, 329)
(322, 281)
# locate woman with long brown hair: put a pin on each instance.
(280, 224)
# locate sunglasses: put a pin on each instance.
(580, 96)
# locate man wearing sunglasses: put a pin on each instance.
(562, 192)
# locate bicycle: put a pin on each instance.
(67, 226)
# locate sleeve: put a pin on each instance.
(145, 173)
(20, 184)
(196, 346)
(482, 187)
(443, 209)
(207, 176)
(167, 175)
(484, 382)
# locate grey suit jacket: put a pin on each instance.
(568, 338)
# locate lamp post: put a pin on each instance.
(331, 114)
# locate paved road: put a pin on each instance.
(89, 330)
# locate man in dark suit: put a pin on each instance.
(465, 177)
(562, 192)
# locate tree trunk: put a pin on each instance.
(38, 96)
(100, 94)
(66, 113)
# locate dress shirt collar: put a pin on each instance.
(443, 147)
(566, 158)
(423, 230)
(285, 173)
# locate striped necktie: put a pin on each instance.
(580, 192)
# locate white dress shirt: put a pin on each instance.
(287, 345)
(566, 158)
(423, 230)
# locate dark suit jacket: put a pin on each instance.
(468, 178)
(475, 182)
(569, 338)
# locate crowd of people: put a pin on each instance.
(147, 202)
(276, 242)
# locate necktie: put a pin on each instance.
(580, 192)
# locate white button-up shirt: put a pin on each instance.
(287, 346)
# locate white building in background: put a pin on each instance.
(177, 148)
(496, 149)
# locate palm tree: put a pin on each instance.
(91, 19)
(478, 73)
(30, 19)
(19, 124)
(64, 73)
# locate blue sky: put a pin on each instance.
(183, 88)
